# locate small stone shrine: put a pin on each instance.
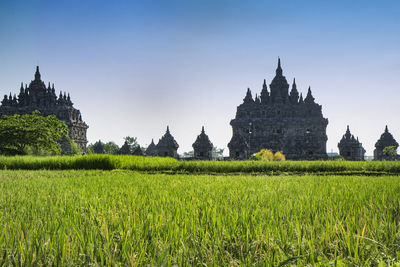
(202, 146)
(151, 149)
(125, 149)
(350, 148)
(167, 146)
(138, 151)
(386, 140)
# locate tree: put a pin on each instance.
(390, 153)
(132, 142)
(111, 148)
(17, 132)
(68, 146)
(217, 153)
(96, 148)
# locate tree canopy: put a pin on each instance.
(17, 132)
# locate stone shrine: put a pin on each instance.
(151, 149)
(385, 140)
(167, 146)
(350, 148)
(202, 146)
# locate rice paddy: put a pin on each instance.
(124, 217)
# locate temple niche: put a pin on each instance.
(350, 147)
(280, 121)
(37, 96)
(385, 140)
(202, 146)
(167, 146)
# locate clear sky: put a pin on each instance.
(134, 67)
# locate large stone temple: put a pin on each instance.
(37, 96)
(280, 121)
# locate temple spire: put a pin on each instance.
(37, 74)
(279, 68)
(386, 129)
(309, 98)
(202, 130)
(248, 98)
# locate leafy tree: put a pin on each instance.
(217, 153)
(188, 154)
(68, 146)
(103, 148)
(96, 148)
(390, 153)
(132, 141)
(19, 132)
(111, 148)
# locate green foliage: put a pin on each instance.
(132, 142)
(96, 148)
(18, 132)
(124, 218)
(338, 158)
(68, 146)
(390, 153)
(103, 148)
(111, 148)
(217, 153)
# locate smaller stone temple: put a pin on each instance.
(386, 140)
(167, 146)
(350, 148)
(125, 149)
(138, 151)
(202, 146)
(151, 149)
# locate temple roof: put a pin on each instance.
(151, 149)
(167, 140)
(386, 140)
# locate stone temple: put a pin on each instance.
(37, 97)
(167, 146)
(350, 148)
(280, 121)
(202, 147)
(385, 140)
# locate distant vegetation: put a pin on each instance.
(125, 218)
(170, 165)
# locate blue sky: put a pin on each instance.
(134, 67)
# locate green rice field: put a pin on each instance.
(170, 165)
(130, 218)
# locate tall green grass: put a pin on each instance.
(123, 218)
(157, 164)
